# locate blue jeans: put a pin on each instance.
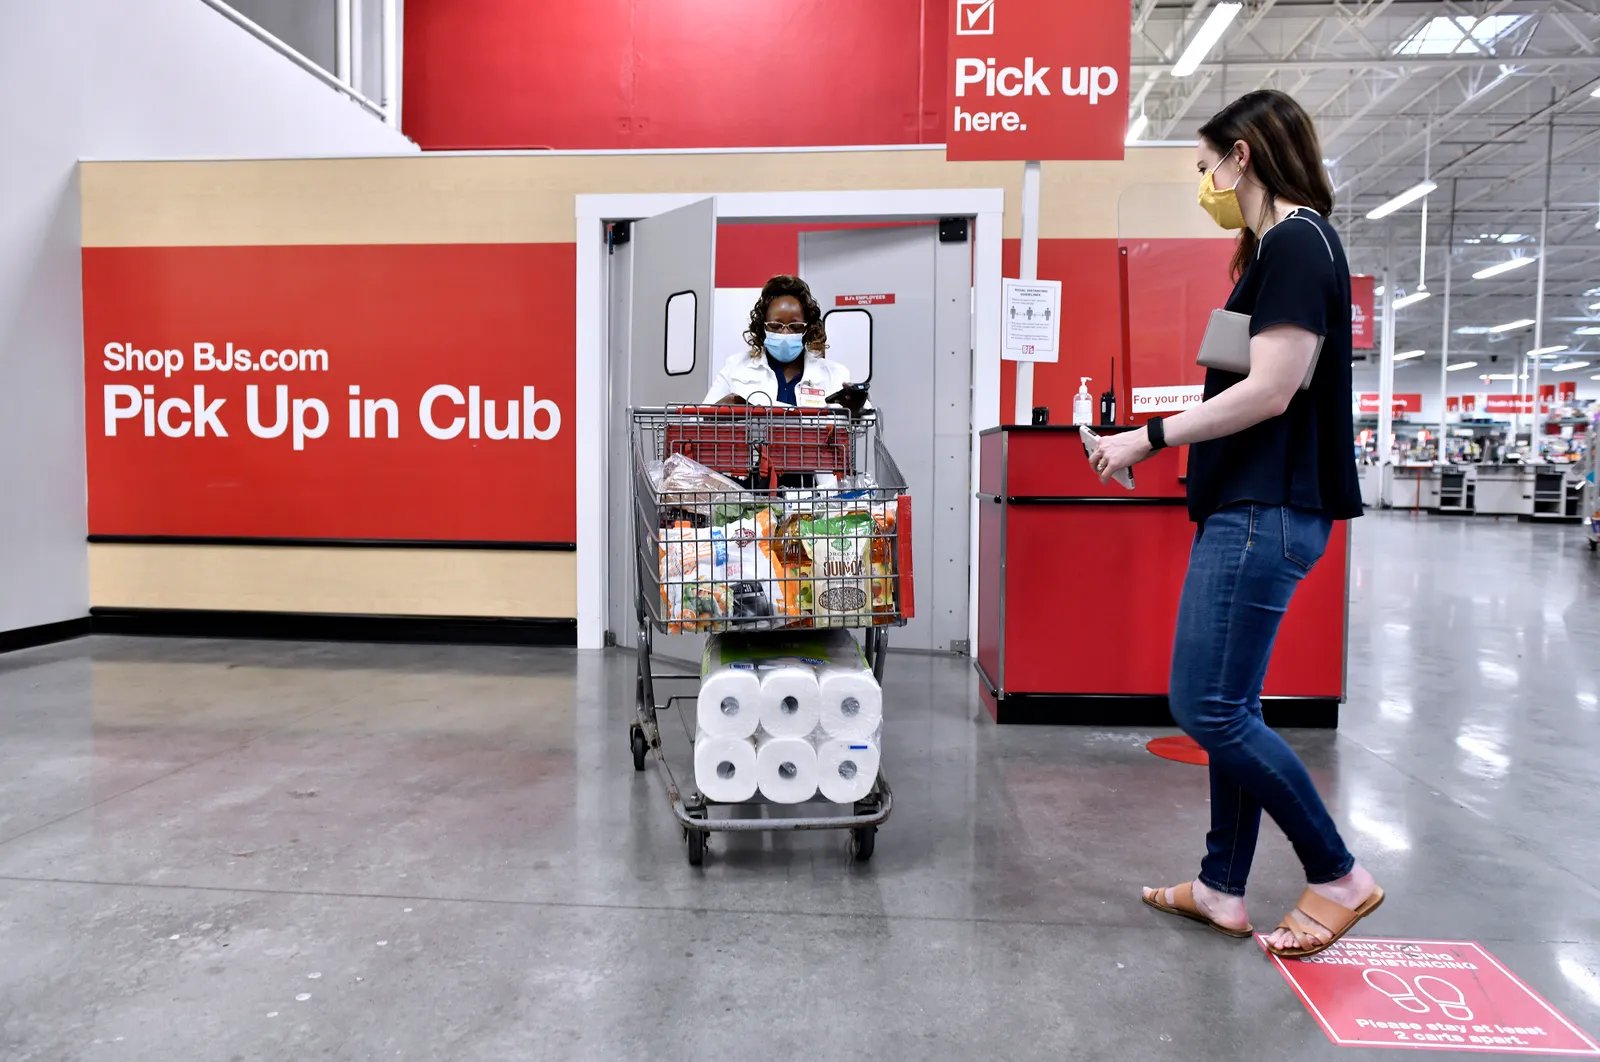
(1243, 569)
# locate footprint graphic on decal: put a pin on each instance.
(1446, 995)
(1394, 986)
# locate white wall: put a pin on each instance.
(108, 79)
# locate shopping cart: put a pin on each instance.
(817, 515)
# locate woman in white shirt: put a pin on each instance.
(784, 364)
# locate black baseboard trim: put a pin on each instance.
(45, 634)
(1090, 709)
(320, 627)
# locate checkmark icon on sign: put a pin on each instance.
(974, 17)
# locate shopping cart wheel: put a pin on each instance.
(640, 746)
(866, 838)
(697, 847)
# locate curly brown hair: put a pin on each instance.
(776, 288)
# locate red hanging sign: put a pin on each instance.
(1452, 404)
(1036, 79)
(1362, 309)
(1568, 391)
(1406, 403)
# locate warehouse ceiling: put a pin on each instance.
(1473, 96)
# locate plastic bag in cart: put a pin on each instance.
(694, 577)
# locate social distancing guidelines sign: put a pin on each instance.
(1429, 994)
(397, 392)
(1037, 79)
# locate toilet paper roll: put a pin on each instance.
(729, 704)
(725, 768)
(852, 702)
(847, 768)
(786, 769)
(791, 700)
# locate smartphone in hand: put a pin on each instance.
(1090, 441)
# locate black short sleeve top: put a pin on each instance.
(1304, 458)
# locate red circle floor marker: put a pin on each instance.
(1181, 749)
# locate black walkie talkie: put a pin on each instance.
(1108, 399)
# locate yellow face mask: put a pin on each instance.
(1221, 203)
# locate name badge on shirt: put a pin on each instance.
(810, 395)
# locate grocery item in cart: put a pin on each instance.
(685, 484)
(754, 590)
(725, 768)
(729, 702)
(786, 769)
(791, 700)
(840, 549)
(852, 700)
(694, 577)
(847, 768)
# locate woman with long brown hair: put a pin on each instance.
(1271, 467)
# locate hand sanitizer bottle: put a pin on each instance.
(1083, 403)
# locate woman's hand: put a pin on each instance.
(1116, 452)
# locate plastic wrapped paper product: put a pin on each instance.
(786, 769)
(729, 703)
(791, 700)
(852, 700)
(694, 576)
(725, 767)
(847, 768)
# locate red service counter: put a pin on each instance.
(1078, 586)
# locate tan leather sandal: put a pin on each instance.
(1183, 906)
(1335, 917)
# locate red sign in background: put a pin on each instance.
(1429, 994)
(1398, 403)
(1036, 79)
(491, 320)
(1363, 307)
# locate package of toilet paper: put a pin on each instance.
(786, 769)
(729, 703)
(847, 768)
(852, 700)
(725, 768)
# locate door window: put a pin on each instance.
(681, 311)
(850, 341)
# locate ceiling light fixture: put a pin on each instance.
(1202, 43)
(1409, 354)
(1472, 330)
(1568, 366)
(1410, 300)
(1135, 130)
(1594, 306)
(1511, 326)
(1587, 330)
(1539, 352)
(1410, 195)
(1503, 267)
(1458, 366)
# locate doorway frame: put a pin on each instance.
(986, 206)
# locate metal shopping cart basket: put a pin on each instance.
(774, 480)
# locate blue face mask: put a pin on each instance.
(784, 348)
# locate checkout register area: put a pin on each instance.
(1490, 464)
(1078, 581)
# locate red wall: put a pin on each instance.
(1173, 287)
(673, 73)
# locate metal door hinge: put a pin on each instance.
(617, 234)
(961, 647)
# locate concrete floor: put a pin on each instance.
(233, 850)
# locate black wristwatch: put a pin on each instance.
(1157, 433)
